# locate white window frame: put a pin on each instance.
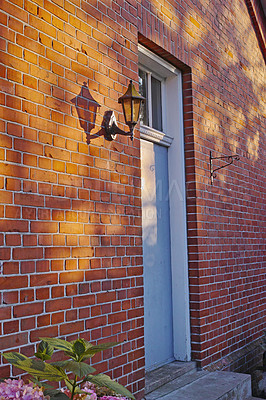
(161, 70)
(173, 138)
(149, 96)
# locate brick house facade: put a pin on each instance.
(70, 201)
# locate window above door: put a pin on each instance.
(155, 76)
(151, 88)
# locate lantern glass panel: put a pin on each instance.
(127, 109)
(136, 109)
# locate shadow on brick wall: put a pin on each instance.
(87, 108)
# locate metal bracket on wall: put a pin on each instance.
(230, 160)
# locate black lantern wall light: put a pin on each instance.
(131, 102)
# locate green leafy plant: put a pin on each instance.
(78, 353)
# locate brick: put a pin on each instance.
(95, 274)
(5, 254)
(44, 214)
(15, 25)
(12, 282)
(117, 317)
(26, 295)
(72, 228)
(30, 240)
(56, 202)
(27, 253)
(11, 268)
(69, 277)
(28, 213)
(22, 311)
(51, 331)
(44, 227)
(29, 199)
(29, 186)
(57, 252)
(84, 301)
(30, 82)
(29, 94)
(58, 304)
(71, 327)
(42, 26)
(14, 226)
(43, 279)
(58, 291)
(84, 252)
(42, 266)
(13, 341)
(10, 297)
(42, 294)
(12, 211)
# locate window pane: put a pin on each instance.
(156, 104)
(144, 118)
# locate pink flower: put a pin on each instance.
(17, 389)
(112, 398)
(90, 394)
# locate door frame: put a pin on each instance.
(173, 138)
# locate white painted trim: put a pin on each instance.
(163, 96)
(151, 134)
(178, 226)
(155, 63)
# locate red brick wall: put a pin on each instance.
(70, 202)
(70, 210)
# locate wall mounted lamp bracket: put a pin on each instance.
(131, 102)
(229, 159)
(111, 128)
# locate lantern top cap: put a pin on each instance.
(131, 93)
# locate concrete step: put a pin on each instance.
(203, 385)
(175, 384)
(167, 373)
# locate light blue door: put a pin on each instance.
(158, 315)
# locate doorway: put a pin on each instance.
(166, 292)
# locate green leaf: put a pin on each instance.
(69, 384)
(87, 344)
(105, 380)
(78, 368)
(90, 351)
(79, 347)
(37, 368)
(71, 355)
(59, 344)
(15, 356)
(78, 390)
(41, 383)
(44, 351)
(56, 394)
(42, 356)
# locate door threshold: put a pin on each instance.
(162, 375)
